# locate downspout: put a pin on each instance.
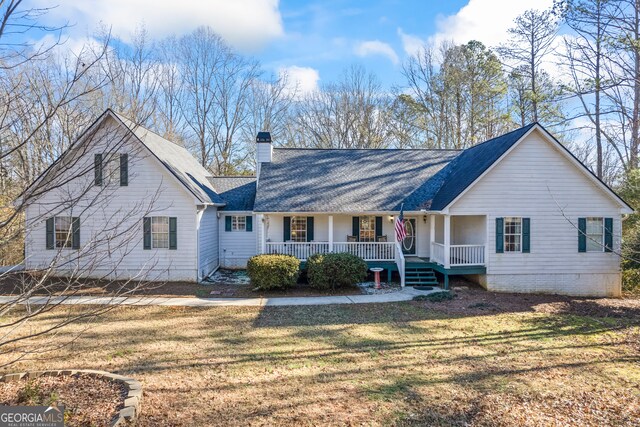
(199, 214)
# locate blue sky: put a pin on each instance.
(328, 36)
(313, 41)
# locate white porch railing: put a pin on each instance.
(437, 252)
(466, 255)
(369, 251)
(459, 255)
(300, 250)
(400, 263)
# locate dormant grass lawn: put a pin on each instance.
(478, 360)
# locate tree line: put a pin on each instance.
(197, 91)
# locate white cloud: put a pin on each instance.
(376, 47)
(485, 20)
(245, 24)
(302, 80)
(411, 44)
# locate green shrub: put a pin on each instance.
(331, 271)
(631, 280)
(273, 271)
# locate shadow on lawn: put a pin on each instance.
(466, 303)
(326, 333)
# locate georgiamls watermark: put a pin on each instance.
(32, 416)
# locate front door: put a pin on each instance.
(409, 243)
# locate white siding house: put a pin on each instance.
(237, 239)
(111, 225)
(516, 213)
(538, 180)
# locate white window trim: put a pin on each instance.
(68, 242)
(588, 238)
(360, 229)
(504, 235)
(306, 228)
(235, 223)
(153, 246)
(112, 169)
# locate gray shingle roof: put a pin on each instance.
(178, 160)
(308, 180)
(238, 192)
(311, 180)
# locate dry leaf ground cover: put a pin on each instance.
(481, 359)
(88, 401)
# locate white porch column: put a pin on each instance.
(330, 233)
(263, 232)
(432, 233)
(447, 241)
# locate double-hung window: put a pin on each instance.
(298, 228)
(595, 234)
(63, 232)
(115, 166)
(160, 232)
(367, 228)
(512, 234)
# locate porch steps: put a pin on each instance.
(419, 276)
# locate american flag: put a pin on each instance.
(401, 232)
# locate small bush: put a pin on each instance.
(631, 280)
(273, 271)
(331, 271)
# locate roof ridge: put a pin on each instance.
(122, 116)
(530, 125)
(367, 149)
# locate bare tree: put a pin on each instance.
(352, 113)
(46, 97)
(134, 75)
(270, 108)
(585, 51)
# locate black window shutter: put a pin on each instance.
(227, 223)
(75, 233)
(97, 169)
(378, 227)
(526, 235)
(355, 227)
(608, 234)
(124, 170)
(310, 229)
(249, 223)
(499, 235)
(173, 232)
(286, 229)
(51, 243)
(582, 235)
(146, 231)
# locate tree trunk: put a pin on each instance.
(635, 125)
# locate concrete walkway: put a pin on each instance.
(406, 294)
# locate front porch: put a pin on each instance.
(450, 245)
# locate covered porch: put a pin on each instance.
(447, 244)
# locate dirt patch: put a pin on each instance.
(88, 401)
(476, 301)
